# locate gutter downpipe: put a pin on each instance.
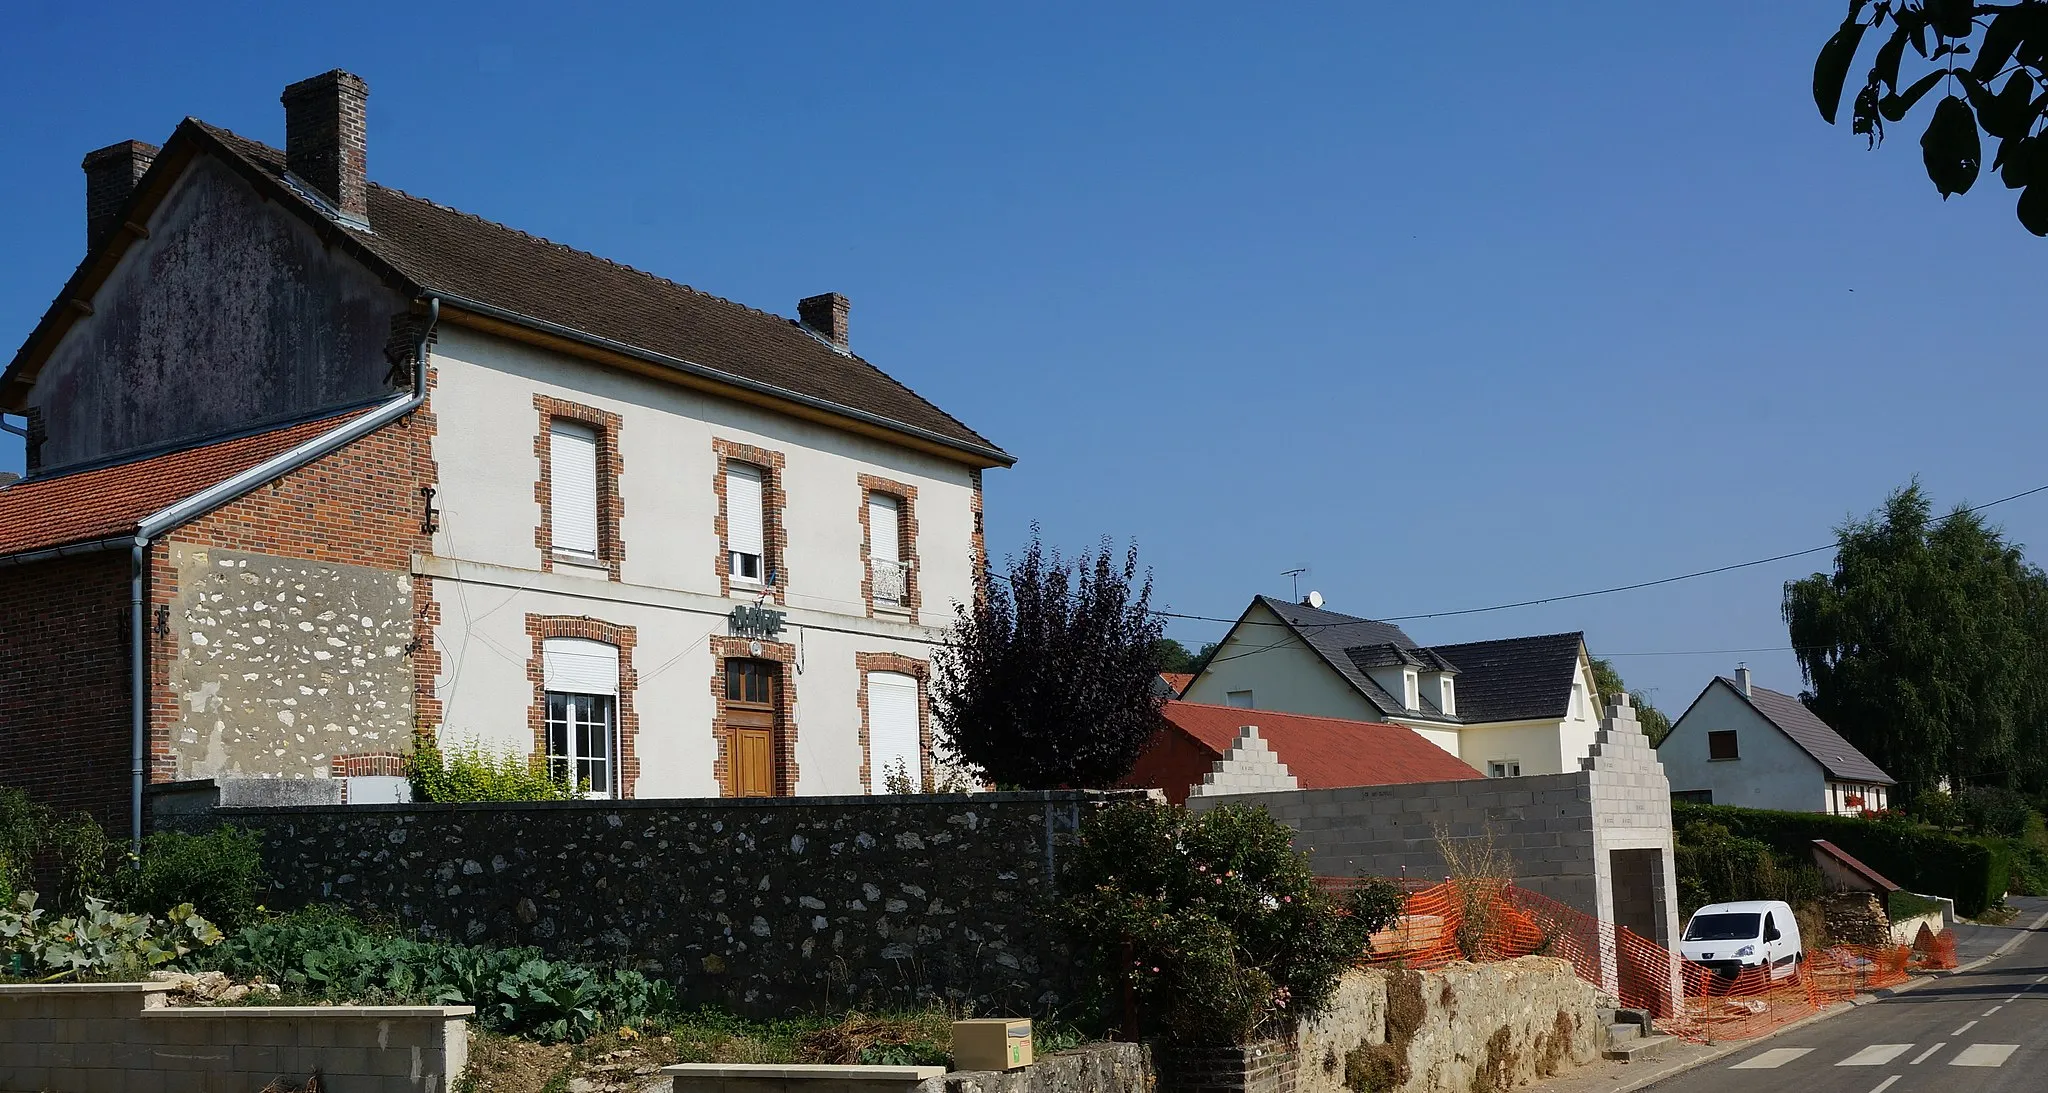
(205, 501)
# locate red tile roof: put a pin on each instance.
(1178, 681)
(1325, 752)
(36, 513)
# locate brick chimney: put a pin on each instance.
(326, 142)
(825, 314)
(110, 177)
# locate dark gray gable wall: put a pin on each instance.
(231, 314)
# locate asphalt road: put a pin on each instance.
(1982, 1031)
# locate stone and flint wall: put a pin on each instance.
(768, 906)
(122, 1037)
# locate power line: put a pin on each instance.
(1594, 592)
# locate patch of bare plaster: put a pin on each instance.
(283, 664)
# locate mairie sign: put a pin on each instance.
(754, 621)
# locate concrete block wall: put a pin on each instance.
(1248, 767)
(125, 1038)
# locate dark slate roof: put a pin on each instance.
(1515, 679)
(1837, 756)
(435, 249)
(1332, 635)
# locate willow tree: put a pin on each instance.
(1047, 680)
(1927, 646)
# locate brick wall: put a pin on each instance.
(64, 723)
(357, 507)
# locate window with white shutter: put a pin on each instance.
(745, 542)
(887, 575)
(581, 680)
(895, 744)
(572, 473)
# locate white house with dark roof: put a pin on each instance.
(1740, 744)
(318, 468)
(1508, 707)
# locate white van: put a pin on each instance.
(1734, 937)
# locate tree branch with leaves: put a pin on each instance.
(1971, 47)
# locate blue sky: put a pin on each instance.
(1454, 312)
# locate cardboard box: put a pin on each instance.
(1002, 1044)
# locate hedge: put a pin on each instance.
(1973, 872)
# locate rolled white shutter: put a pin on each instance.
(579, 666)
(572, 470)
(885, 539)
(743, 509)
(892, 727)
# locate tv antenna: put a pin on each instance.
(1296, 575)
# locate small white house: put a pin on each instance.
(1508, 707)
(1739, 744)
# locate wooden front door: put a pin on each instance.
(751, 692)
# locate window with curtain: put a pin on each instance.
(573, 485)
(745, 535)
(581, 682)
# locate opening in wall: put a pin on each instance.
(752, 702)
(895, 738)
(745, 537)
(582, 691)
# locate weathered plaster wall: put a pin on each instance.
(767, 905)
(283, 664)
(230, 313)
(1481, 1026)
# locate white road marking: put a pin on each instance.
(1886, 1084)
(1984, 1055)
(2043, 979)
(1964, 1029)
(1876, 1055)
(1772, 1059)
(1994, 1009)
(2012, 998)
(1922, 1057)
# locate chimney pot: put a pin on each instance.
(326, 138)
(825, 314)
(110, 177)
(1742, 679)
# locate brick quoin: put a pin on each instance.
(540, 628)
(918, 670)
(782, 653)
(64, 727)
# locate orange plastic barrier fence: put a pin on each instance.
(1490, 921)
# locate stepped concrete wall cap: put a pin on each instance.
(813, 1071)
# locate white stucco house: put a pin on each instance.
(1507, 707)
(1740, 744)
(390, 472)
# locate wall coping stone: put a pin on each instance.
(733, 804)
(83, 988)
(360, 1013)
(814, 1072)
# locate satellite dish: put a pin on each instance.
(1315, 598)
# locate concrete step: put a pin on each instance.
(1632, 1017)
(1622, 1033)
(1635, 1051)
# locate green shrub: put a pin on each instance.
(219, 872)
(1912, 855)
(1993, 810)
(62, 858)
(470, 772)
(515, 990)
(1901, 905)
(1214, 920)
(1717, 866)
(101, 943)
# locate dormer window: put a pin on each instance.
(1410, 697)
